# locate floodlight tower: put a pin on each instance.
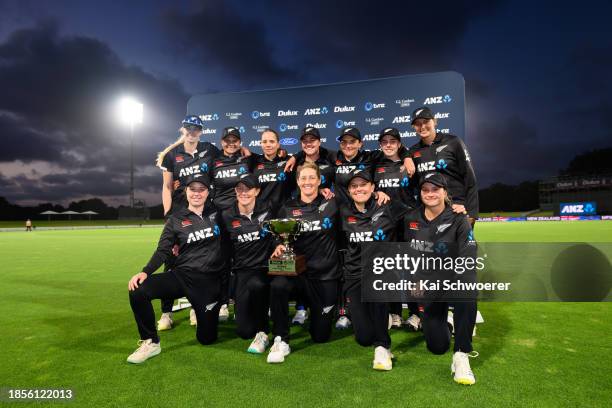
(130, 113)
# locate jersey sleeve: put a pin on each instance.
(469, 179)
(167, 163)
(163, 251)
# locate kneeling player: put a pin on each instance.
(365, 220)
(196, 272)
(318, 285)
(252, 246)
(435, 222)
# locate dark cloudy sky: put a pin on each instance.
(538, 77)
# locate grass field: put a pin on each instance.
(66, 322)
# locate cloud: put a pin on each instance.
(56, 105)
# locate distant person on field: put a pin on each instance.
(28, 225)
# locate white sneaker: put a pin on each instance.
(479, 318)
(146, 349)
(414, 322)
(461, 368)
(193, 320)
(223, 313)
(278, 351)
(396, 321)
(382, 359)
(343, 323)
(259, 343)
(300, 317)
(165, 322)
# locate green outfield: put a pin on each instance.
(66, 323)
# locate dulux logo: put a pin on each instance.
(258, 114)
(209, 131)
(369, 106)
(289, 141)
(341, 123)
(316, 111)
(339, 109)
(317, 125)
(209, 117)
(287, 113)
(442, 115)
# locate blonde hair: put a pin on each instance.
(163, 153)
(308, 165)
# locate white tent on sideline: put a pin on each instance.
(49, 213)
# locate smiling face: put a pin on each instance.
(425, 128)
(308, 181)
(246, 196)
(432, 195)
(360, 190)
(390, 146)
(197, 193)
(269, 144)
(310, 145)
(230, 144)
(350, 146)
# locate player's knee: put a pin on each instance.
(364, 339)
(438, 347)
(206, 338)
(279, 286)
(138, 295)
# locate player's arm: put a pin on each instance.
(167, 189)
(469, 180)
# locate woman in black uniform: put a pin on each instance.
(196, 272)
(178, 162)
(436, 224)
(392, 178)
(252, 246)
(319, 283)
(364, 220)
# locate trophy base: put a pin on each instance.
(287, 267)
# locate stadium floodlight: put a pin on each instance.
(130, 113)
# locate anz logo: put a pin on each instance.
(249, 237)
(426, 166)
(316, 111)
(401, 119)
(188, 171)
(367, 236)
(432, 100)
(256, 143)
(227, 173)
(422, 246)
(210, 117)
(203, 234)
(391, 183)
(311, 226)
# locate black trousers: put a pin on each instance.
(202, 291)
(436, 331)
(166, 304)
(320, 295)
(370, 319)
(397, 308)
(252, 296)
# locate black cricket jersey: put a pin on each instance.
(317, 239)
(199, 240)
(276, 184)
(226, 174)
(252, 244)
(376, 224)
(183, 165)
(392, 178)
(448, 155)
(449, 234)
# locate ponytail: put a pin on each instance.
(448, 200)
(162, 154)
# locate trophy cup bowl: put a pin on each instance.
(287, 230)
